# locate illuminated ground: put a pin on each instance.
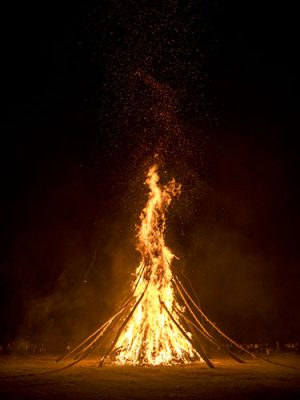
(254, 380)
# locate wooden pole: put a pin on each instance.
(97, 332)
(197, 335)
(214, 325)
(191, 311)
(201, 329)
(80, 348)
(214, 341)
(97, 340)
(199, 347)
(121, 328)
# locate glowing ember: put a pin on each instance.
(153, 335)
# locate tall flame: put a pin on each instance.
(151, 336)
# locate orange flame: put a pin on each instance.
(150, 336)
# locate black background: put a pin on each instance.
(77, 138)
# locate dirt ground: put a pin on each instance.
(21, 378)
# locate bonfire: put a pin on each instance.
(160, 323)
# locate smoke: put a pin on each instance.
(235, 226)
(235, 247)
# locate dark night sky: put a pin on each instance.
(91, 92)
